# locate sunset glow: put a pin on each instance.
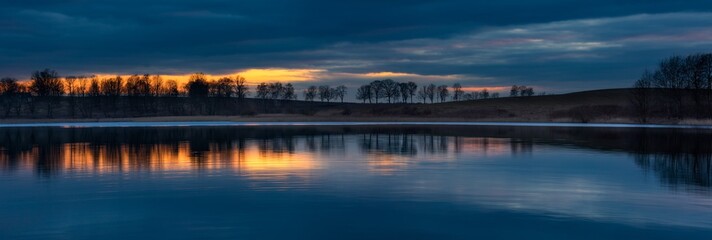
(252, 76)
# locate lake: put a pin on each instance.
(355, 181)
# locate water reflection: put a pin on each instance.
(629, 176)
(676, 157)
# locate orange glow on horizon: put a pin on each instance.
(489, 89)
(253, 76)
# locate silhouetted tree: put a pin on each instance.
(171, 88)
(241, 88)
(457, 93)
(526, 91)
(9, 86)
(340, 92)
(404, 91)
(484, 94)
(70, 84)
(263, 91)
(80, 88)
(137, 85)
(9, 90)
(390, 89)
(678, 80)
(223, 87)
(46, 83)
(443, 92)
(112, 86)
(310, 93)
(275, 90)
(157, 88)
(288, 92)
(325, 93)
(514, 91)
(430, 91)
(94, 88)
(378, 90)
(197, 85)
(423, 93)
(412, 88)
(364, 93)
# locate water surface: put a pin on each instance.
(355, 182)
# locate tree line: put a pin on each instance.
(391, 91)
(48, 83)
(678, 87)
(141, 94)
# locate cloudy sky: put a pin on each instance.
(554, 45)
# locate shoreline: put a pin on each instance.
(284, 120)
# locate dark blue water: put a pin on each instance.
(355, 182)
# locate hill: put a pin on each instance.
(607, 105)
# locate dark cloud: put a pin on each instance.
(567, 44)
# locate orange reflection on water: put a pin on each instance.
(386, 164)
(250, 159)
(256, 160)
(277, 158)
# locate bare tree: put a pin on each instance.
(484, 94)
(430, 91)
(403, 90)
(70, 83)
(514, 91)
(364, 93)
(457, 93)
(526, 91)
(391, 90)
(223, 87)
(94, 87)
(241, 88)
(423, 94)
(310, 93)
(412, 88)
(275, 90)
(137, 85)
(340, 92)
(112, 86)
(81, 86)
(171, 88)
(378, 90)
(288, 92)
(325, 93)
(9, 86)
(46, 83)
(443, 92)
(263, 91)
(157, 85)
(9, 89)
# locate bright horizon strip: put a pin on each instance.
(254, 76)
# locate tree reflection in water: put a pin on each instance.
(679, 158)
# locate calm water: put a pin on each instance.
(355, 182)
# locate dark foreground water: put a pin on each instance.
(355, 182)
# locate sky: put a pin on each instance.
(554, 45)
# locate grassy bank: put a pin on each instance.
(600, 106)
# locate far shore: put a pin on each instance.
(605, 106)
(272, 118)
